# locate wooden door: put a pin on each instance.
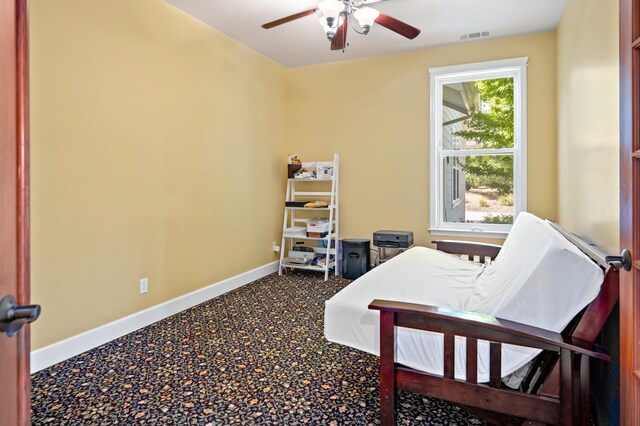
(630, 210)
(14, 224)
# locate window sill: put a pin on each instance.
(469, 233)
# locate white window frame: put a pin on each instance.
(456, 187)
(515, 68)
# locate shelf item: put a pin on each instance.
(330, 236)
(332, 264)
(396, 241)
(296, 231)
(318, 225)
(316, 204)
(317, 234)
(312, 170)
(299, 261)
(292, 169)
(324, 229)
(324, 170)
(295, 203)
(329, 207)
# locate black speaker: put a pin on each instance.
(355, 258)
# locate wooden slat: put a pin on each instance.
(515, 403)
(497, 418)
(495, 365)
(576, 415)
(472, 360)
(449, 355)
(566, 387)
(469, 248)
(585, 408)
(387, 369)
(551, 387)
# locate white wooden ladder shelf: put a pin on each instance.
(298, 216)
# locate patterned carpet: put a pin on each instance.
(256, 355)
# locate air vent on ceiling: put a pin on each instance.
(471, 36)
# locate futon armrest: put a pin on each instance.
(482, 327)
(468, 248)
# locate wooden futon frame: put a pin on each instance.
(556, 389)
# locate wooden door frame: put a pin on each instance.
(15, 67)
(24, 230)
(629, 208)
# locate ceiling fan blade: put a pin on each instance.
(396, 26)
(339, 41)
(290, 18)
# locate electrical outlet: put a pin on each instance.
(144, 285)
(276, 247)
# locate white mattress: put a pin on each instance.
(539, 279)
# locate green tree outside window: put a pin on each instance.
(491, 126)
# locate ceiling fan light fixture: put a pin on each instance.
(366, 16)
(331, 10)
(329, 30)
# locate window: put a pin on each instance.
(478, 147)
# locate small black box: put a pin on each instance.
(396, 239)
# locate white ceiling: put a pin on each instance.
(302, 42)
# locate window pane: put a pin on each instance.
(478, 189)
(478, 114)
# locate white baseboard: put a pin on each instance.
(65, 349)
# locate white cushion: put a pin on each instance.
(539, 278)
(419, 275)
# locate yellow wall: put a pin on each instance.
(157, 151)
(588, 201)
(375, 113)
(588, 143)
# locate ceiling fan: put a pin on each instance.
(338, 14)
